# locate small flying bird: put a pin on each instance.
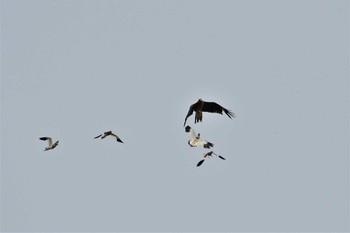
(51, 146)
(109, 133)
(207, 155)
(202, 106)
(196, 140)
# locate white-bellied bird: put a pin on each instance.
(207, 155)
(109, 133)
(196, 140)
(50, 146)
(202, 106)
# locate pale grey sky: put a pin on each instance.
(73, 69)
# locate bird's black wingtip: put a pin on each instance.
(118, 139)
(200, 162)
(221, 157)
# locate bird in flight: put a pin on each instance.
(207, 155)
(202, 106)
(196, 140)
(51, 146)
(109, 133)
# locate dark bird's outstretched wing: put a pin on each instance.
(190, 112)
(216, 108)
(44, 138)
(98, 136)
(192, 108)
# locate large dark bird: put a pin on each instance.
(202, 106)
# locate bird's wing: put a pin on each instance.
(216, 108)
(98, 136)
(55, 144)
(190, 111)
(47, 138)
(119, 140)
(116, 137)
(200, 162)
(218, 155)
(221, 157)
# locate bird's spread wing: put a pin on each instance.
(55, 144)
(216, 108)
(98, 136)
(47, 138)
(116, 137)
(190, 111)
(221, 157)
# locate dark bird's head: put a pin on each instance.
(187, 129)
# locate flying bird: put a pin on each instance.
(51, 146)
(196, 140)
(207, 155)
(109, 133)
(202, 106)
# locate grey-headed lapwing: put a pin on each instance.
(196, 140)
(207, 155)
(109, 133)
(51, 146)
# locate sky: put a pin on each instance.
(74, 69)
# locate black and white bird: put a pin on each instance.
(51, 146)
(196, 140)
(207, 155)
(109, 133)
(202, 106)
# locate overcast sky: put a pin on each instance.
(74, 69)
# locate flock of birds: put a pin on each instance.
(194, 139)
